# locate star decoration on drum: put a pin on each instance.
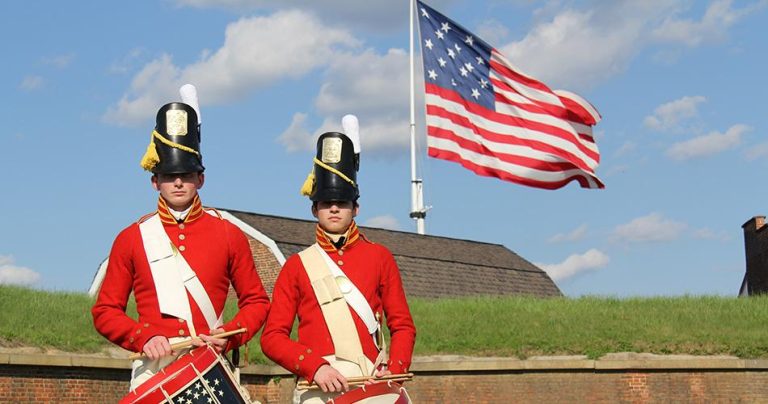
(210, 388)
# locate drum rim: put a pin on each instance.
(367, 391)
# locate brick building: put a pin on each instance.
(430, 266)
(756, 254)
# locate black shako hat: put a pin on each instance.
(174, 147)
(334, 174)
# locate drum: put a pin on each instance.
(201, 376)
(377, 393)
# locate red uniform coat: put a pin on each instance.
(216, 250)
(373, 270)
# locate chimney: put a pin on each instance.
(756, 256)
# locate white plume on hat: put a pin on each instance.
(352, 130)
(189, 96)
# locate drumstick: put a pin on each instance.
(357, 380)
(357, 383)
(189, 342)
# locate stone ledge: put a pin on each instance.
(450, 363)
(632, 360)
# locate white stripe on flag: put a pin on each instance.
(511, 168)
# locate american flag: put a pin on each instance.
(485, 114)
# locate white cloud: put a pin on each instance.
(296, 137)
(576, 264)
(60, 61)
(576, 49)
(31, 83)
(11, 274)
(383, 222)
(574, 235)
(257, 52)
(372, 86)
(626, 148)
(126, 63)
(709, 144)
(649, 228)
(370, 15)
(758, 151)
(709, 234)
(712, 27)
(669, 115)
(492, 31)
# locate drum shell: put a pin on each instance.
(187, 370)
(377, 393)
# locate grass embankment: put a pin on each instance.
(593, 326)
(511, 326)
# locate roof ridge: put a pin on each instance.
(364, 227)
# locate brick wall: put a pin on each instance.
(266, 265)
(27, 383)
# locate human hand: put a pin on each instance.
(379, 373)
(157, 347)
(217, 343)
(330, 380)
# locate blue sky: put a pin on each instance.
(680, 84)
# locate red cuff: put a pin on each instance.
(398, 366)
(140, 335)
(307, 365)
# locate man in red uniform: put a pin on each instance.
(178, 261)
(335, 344)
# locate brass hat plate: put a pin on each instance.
(176, 122)
(331, 150)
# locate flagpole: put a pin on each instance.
(418, 212)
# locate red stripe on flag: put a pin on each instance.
(518, 77)
(506, 176)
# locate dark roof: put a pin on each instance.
(431, 266)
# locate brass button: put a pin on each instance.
(297, 366)
(130, 339)
(181, 226)
(301, 357)
(340, 262)
(238, 324)
(146, 325)
(182, 237)
(309, 350)
(138, 331)
(182, 248)
(181, 332)
(341, 252)
(181, 320)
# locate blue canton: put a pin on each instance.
(454, 58)
(215, 387)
